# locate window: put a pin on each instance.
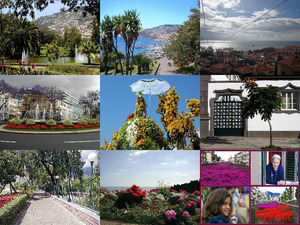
(290, 100)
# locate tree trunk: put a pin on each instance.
(13, 187)
(120, 61)
(89, 60)
(270, 132)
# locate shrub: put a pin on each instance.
(18, 121)
(30, 122)
(25, 120)
(83, 122)
(8, 211)
(51, 123)
(67, 123)
(91, 121)
(13, 120)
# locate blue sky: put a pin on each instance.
(117, 100)
(51, 9)
(280, 24)
(152, 12)
(146, 168)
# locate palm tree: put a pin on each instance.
(106, 37)
(141, 60)
(113, 57)
(88, 47)
(117, 23)
(130, 28)
(24, 36)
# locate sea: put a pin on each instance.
(141, 44)
(126, 187)
(247, 45)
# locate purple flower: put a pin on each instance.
(185, 214)
(170, 214)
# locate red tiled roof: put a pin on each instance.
(291, 61)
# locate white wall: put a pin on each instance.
(279, 121)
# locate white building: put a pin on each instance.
(9, 109)
(221, 108)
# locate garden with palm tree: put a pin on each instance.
(26, 48)
(128, 26)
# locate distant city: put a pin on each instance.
(265, 61)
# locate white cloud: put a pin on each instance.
(223, 3)
(137, 153)
(164, 163)
(272, 13)
(180, 162)
(118, 173)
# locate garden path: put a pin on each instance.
(165, 69)
(44, 210)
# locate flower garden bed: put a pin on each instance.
(224, 174)
(274, 213)
(45, 127)
(4, 199)
(162, 206)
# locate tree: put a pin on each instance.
(113, 57)
(54, 52)
(95, 31)
(24, 36)
(296, 194)
(10, 166)
(91, 101)
(30, 96)
(6, 92)
(106, 43)
(263, 101)
(184, 47)
(53, 96)
(63, 163)
(26, 7)
(72, 38)
(177, 125)
(88, 47)
(141, 61)
(130, 28)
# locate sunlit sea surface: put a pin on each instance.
(247, 45)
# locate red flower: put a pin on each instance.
(7, 69)
(28, 62)
(106, 197)
(32, 65)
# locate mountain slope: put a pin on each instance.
(160, 33)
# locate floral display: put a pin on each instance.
(4, 199)
(224, 174)
(280, 214)
(272, 205)
(170, 214)
(46, 127)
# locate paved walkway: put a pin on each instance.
(43, 210)
(165, 69)
(244, 143)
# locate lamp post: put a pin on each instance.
(92, 157)
(57, 186)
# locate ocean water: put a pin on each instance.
(143, 43)
(247, 45)
(126, 187)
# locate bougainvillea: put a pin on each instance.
(224, 174)
(280, 214)
(46, 127)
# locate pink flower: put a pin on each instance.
(193, 203)
(180, 199)
(185, 214)
(170, 214)
(188, 205)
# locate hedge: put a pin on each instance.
(8, 211)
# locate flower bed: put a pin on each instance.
(224, 174)
(4, 199)
(151, 207)
(282, 214)
(266, 206)
(46, 127)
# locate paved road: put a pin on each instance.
(44, 210)
(165, 69)
(79, 141)
(244, 143)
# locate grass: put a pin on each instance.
(43, 130)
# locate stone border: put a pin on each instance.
(86, 215)
(48, 132)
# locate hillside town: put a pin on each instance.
(59, 21)
(266, 61)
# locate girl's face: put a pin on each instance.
(225, 208)
(231, 192)
(275, 163)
